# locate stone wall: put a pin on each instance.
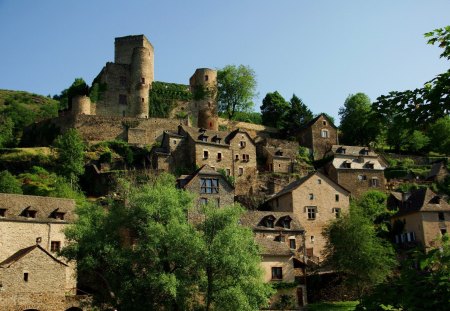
(225, 197)
(352, 181)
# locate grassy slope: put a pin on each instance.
(30, 100)
(333, 306)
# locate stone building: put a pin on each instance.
(281, 239)
(279, 156)
(209, 186)
(356, 168)
(422, 217)
(315, 200)
(234, 152)
(318, 135)
(438, 172)
(31, 234)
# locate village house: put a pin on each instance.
(209, 186)
(422, 217)
(233, 152)
(356, 168)
(281, 239)
(315, 200)
(318, 135)
(279, 156)
(32, 276)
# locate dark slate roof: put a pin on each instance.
(271, 247)
(297, 183)
(317, 118)
(422, 200)
(15, 204)
(22, 253)
(254, 220)
(205, 170)
(273, 152)
(195, 133)
(353, 151)
(434, 171)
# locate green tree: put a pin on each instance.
(422, 106)
(71, 154)
(439, 133)
(236, 87)
(422, 283)
(354, 250)
(143, 253)
(78, 87)
(417, 141)
(358, 124)
(298, 115)
(274, 110)
(232, 263)
(9, 184)
(6, 131)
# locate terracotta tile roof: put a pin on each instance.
(45, 207)
(255, 221)
(22, 253)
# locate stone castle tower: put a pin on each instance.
(203, 84)
(127, 81)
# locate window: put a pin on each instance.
(206, 77)
(286, 223)
(281, 238)
(122, 99)
(292, 244)
(362, 177)
(142, 80)
(311, 212)
(205, 154)
(228, 172)
(25, 276)
(204, 138)
(336, 197)
(123, 81)
(319, 181)
(209, 185)
(236, 157)
(370, 165)
(374, 182)
(311, 196)
(441, 216)
(341, 150)
(241, 171)
(324, 133)
(58, 215)
(245, 157)
(174, 141)
(277, 273)
(142, 99)
(337, 212)
(242, 143)
(365, 152)
(443, 231)
(312, 239)
(2, 212)
(203, 201)
(324, 122)
(269, 222)
(346, 164)
(29, 213)
(219, 156)
(55, 246)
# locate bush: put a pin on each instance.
(9, 184)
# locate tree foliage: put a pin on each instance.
(274, 110)
(6, 131)
(9, 184)
(354, 250)
(358, 124)
(439, 134)
(422, 284)
(422, 106)
(236, 87)
(71, 154)
(143, 254)
(78, 87)
(298, 115)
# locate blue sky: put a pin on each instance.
(321, 50)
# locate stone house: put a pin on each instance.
(281, 239)
(234, 152)
(315, 200)
(209, 186)
(318, 135)
(422, 217)
(438, 172)
(279, 156)
(356, 168)
(26, 220)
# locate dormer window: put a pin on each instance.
(286, 223)
(57, 215)
(370, 165)
(2, 212)
(341, 150)
(365, 152)
(269, 221)
(346, 164)
(279, 153)
(29, 212)
(435, 200)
